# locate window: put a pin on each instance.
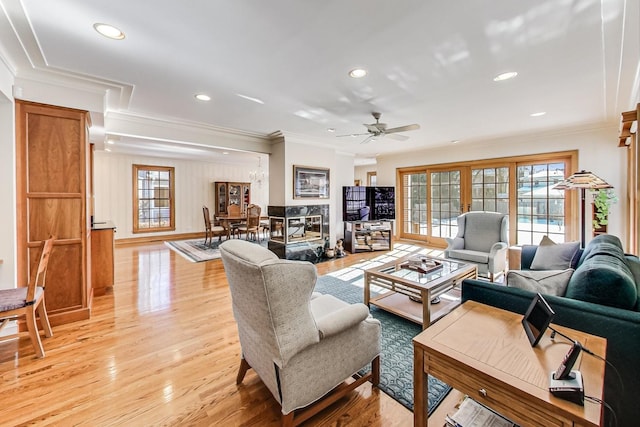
(414, 206)
(490, 189)
(153, 198)
(540, 207)
(445, 203)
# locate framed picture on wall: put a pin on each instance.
(310, 182)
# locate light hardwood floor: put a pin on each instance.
(161, 348)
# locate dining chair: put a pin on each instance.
(252, 226)
(234, 211)
(26, 301)
(209, 229)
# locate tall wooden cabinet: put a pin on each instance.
(52, 199)
(231, 193)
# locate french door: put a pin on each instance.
(432, 200)
(432, 197)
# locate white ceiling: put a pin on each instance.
(429, 62)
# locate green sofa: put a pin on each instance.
(599, 300)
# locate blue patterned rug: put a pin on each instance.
(396, 360)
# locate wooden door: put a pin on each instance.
(51, 167)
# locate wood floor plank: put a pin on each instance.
(160, 348)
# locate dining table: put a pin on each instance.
(227, 221)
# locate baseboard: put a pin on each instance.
(158, 238)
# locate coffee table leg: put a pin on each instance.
(367, 288)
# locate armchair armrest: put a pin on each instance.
(498, 257)
(342, 319)
(497, 247)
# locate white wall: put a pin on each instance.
(598, 153)
(8, 180)
(362, 171)
(194, 187)
(291, 151)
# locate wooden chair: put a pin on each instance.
(252, 226)
(27, 300)
(209, 229)
(234, 210)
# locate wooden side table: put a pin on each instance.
(483, 351)
(515, 255)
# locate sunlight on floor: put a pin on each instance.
(355, 273)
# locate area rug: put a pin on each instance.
(396, 364)
(196, 251)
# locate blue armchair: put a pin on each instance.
(482, 239)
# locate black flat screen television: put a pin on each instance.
(360, 203)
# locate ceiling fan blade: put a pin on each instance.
(398, 137)
(403, 128)
(369, 139)
(353, 134)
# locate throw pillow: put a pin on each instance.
(548, 282)
(554, 256)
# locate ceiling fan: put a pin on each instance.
(378, 130)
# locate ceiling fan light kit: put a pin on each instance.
(378, 129)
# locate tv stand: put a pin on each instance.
(361, 236)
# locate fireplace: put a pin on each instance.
(298, 232)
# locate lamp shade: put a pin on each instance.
(582, 179)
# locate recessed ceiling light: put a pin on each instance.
(455, 141)
(505, 76)
(225, 152)
(358, 73)
(331, 130)
(107, 150)
(250, 98)
(110, 141)
(109, 31)
(538, 114)
(203, 97)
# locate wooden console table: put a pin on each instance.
(483, 352)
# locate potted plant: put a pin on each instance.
(602, 201)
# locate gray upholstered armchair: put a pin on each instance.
(482, 239)
(300, 343)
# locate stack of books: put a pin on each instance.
(473, 414)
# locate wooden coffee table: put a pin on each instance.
(406, 286)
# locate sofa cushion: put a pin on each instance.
(604, 277)
(554, 256)
(548, 282)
